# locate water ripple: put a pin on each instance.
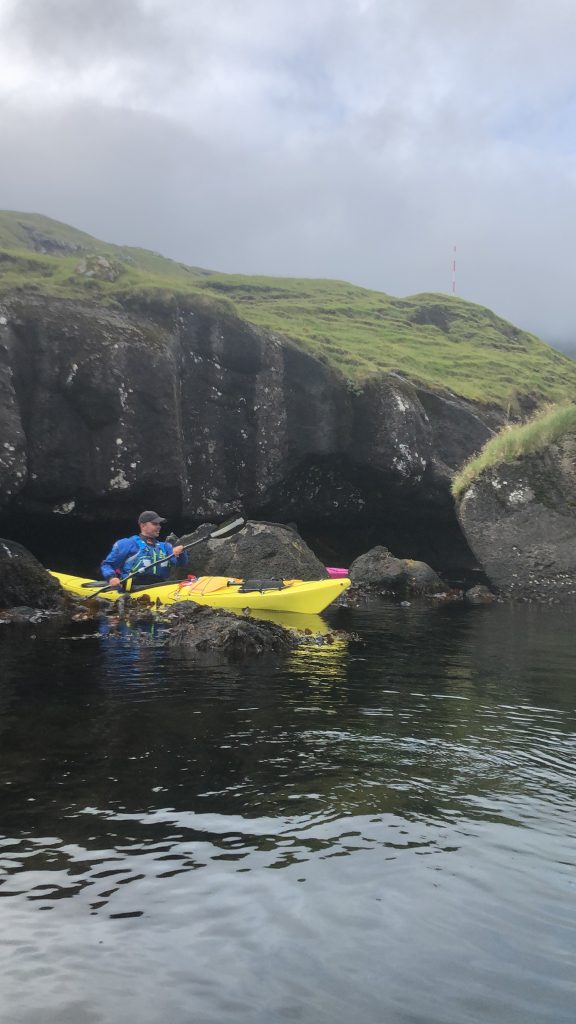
(380, 832)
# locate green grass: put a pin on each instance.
(438, 340)
(511, 443)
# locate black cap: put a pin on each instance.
(150, 517)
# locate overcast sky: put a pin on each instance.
(353, 139)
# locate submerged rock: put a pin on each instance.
(200, 630)
(24, 582)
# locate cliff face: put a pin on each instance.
(520, 521)
(105, 412)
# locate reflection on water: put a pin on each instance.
(381, 829)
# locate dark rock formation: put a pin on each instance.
(105, 411)
(208, 631)
(24, 582)
(378, 570)
(520, 520)
(264, 550)
(421, 578)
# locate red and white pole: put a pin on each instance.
(454, 272)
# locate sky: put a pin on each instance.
(352, 139)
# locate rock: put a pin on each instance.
(421, 579)
(25, 582)
(99, 267)
(520, 521)
(201, 630)
(39, 241)
(259, 550)
(238, 415)
(379, 569)
(22, 615)
(480, 595)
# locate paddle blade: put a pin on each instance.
(220, 533)
(228, 528)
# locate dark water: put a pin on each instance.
(379, 831)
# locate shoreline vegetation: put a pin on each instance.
(514, 442)
(438, 341)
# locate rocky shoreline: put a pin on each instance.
(520, 520)
(30, 595)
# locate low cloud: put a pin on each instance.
(357, 140)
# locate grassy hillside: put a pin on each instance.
(436, 339)
(511, 443)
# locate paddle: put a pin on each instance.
(227, 529)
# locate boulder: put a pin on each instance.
(421, 578)
(259, 550)
(520, 520)
(203, 631)
(25, 582)
(379, 569)
(99, 267)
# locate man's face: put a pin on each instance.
(150, 530)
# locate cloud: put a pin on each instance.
(70, 33)
(350, 138)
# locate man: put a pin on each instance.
(142, 554)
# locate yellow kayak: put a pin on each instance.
(294, 596)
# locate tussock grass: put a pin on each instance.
(511, 443)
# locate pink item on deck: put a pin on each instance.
(336, 574)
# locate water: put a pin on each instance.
(374, 831)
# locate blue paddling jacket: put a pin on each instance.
(134, 554)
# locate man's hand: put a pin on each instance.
(114, 581)
(178, 550)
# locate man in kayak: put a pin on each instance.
(141, 554)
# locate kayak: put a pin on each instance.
(294, 596)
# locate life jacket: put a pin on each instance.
(146, 559)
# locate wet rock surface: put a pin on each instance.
(25, 583)
(203, 631)
(24, 615)
(520, 521)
